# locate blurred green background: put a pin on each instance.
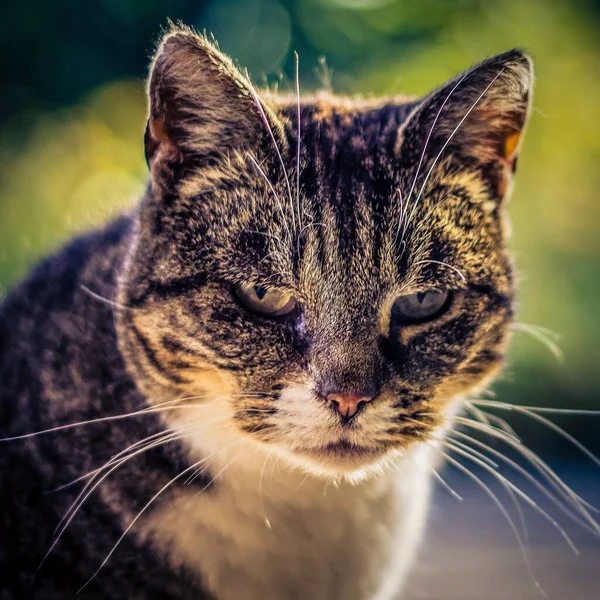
(72, 113)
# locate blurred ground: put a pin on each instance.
(472, 554)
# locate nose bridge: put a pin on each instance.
(348, 365)
(345, 357)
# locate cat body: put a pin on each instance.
(263, 530)
(239, 389)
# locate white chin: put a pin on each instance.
(340, 460)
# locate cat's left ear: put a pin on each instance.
(475, 120)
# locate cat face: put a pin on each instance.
(331, 272)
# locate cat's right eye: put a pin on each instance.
(265, 301)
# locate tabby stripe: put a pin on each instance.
(169, 289)
(150, 355)
(175, 347)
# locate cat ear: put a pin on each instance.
(477, 120)
(201, 106)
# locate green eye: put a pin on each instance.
(267, 302)
(421, 307)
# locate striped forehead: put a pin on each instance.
(346, 224)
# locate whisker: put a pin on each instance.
(115, 457)
(542, 335)
(96, 480)
(487, 428)
(495, 465)
(260, 488)
(504, 481)
(78, 503)
(480, 455)
(532, 413)
(162, 489)
(437, 116)
(445, 264)
(269, 235)
(105, 300)
(220, 472)
(446, 485)
(500, 506)
(299, 133)
(143, 510)
(538, 409)
(435, 161)
(524, 473)
(272, 188)
(489, 419)
(535, 460)
(148, 439)
(150, 410)
(201, 470)
(267, 124)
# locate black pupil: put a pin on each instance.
(260, 292)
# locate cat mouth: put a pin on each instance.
(344, 454)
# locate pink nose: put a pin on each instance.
(348, 404)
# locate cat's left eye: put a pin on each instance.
(421, 307)
(266, 302)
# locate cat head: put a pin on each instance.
(323, 275)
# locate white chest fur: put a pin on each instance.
(266, 531)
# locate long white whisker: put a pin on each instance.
(143, 510)
(142, 442)
(595, 528)
(480, 455)
(144, 411)
(260, 488)
(191, 429)
(533, 459)
(162, 489)
(491, 429)
(494, 465)
(299, 133)
(532, 413)
(542, 335)
(274, 192)
(416, 202)
(504, 481)
(265, 120)
(104, 300)
(500, 506)
(538, 409)
(79, 501)
(220, 472)
(446, 485)
(489, 419)
(437, 116)
(445, 264)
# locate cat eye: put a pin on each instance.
(266, 302)
(421, 307)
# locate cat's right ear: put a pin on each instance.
(201, 107)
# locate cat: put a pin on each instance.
(238, 390)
